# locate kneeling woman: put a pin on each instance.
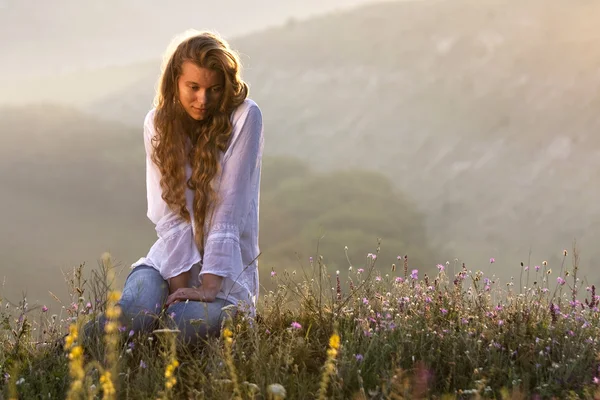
(204, 142)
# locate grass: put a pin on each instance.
(364, 333)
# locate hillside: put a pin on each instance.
(69, 35)
(484, 111)
(74, 187)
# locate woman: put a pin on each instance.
(204, 142)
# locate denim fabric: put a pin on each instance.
(142, 300)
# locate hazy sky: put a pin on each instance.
(40, 38)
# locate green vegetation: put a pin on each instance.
(393, 334)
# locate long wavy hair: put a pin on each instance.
(209, 137)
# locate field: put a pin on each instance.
(367, 332)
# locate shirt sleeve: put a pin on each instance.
(238, 191)
(176, 250)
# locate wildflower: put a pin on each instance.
(492, 260)
(44, 308)
(295, 325)
(359, 357)
(596, 380)
(444, 311)
(334, 345)
(527, 268)
(365, 301)
(500, 322)
(276, 391)
(440, 267)
(72, 337)
(360, 270)
(537, 268)
(107, 385)
(170, 379)
(560, 281)
(415, 274)
(131, 333)
(143, 364)
(399, 279)
(378, 278)
(88, 305)
(273, 273)
(427, 299)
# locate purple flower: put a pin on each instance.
(143, 364)
(88, 305)
(414, 274)
(360, 270)
(427, 299)
(492, 260)
(444, 311)
(440, 267)
(273, 273)
(399, 279)
(131, 333)
(359, 357)
(537, 268)
(122, 328)
(295, 325)
(365, 301)
(44, 308)
(464, 321)
(500, 322)
(527, 268)
(378, 278)
(560, 281)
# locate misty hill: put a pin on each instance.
(73, 187)
(71, 34)
(484, 111)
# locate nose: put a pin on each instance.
(202, 97)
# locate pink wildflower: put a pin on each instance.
(295, 325)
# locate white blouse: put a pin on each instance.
(231, 241)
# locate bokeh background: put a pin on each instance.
(450, 129)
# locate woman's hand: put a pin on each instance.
(179, 282)
(207, 292)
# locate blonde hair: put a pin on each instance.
(206, 50)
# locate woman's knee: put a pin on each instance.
(143, 297)
(196, 320)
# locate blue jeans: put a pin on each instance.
(143, 298)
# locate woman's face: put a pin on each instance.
(200, 90)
